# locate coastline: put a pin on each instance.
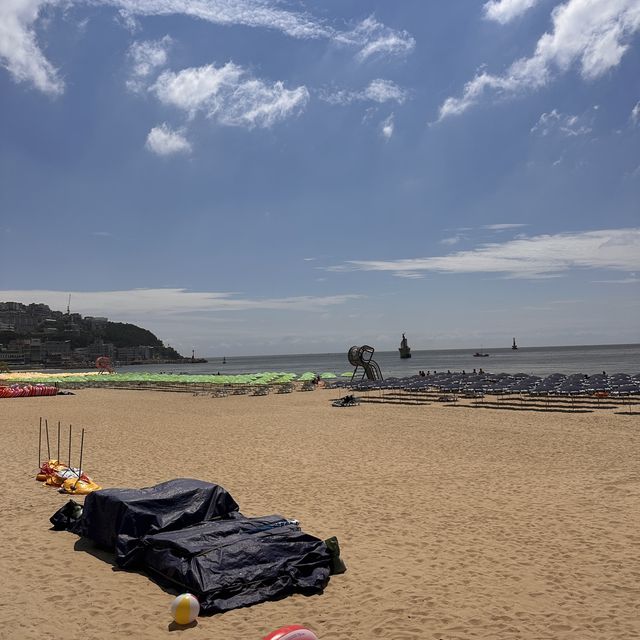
(541, 361)
(453, 522)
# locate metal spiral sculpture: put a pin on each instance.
(363, 357)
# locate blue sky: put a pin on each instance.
(279, 176)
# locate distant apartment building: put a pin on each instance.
(19, 321)
(12, 356)
(100, 348)
(131, 354)
(96, 322)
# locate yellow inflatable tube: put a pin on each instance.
(79, 487)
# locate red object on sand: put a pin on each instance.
(27, 391)
(292, 632)
(103, 364)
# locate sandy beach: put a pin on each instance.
(454, 522)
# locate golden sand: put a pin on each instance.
(454, 522)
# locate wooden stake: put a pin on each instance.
(40, 446)
(58, 441)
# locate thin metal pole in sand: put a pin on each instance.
(46, 427)
(70, 467)
(81, 449)
(40, 445)
(58, 458)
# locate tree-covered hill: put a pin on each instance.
(123, 334)
(80, 332)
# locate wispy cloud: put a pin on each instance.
(146, 57)
(594, 34)
(561, 123)
(370, 37)
(504, 226)
(249, 13)
(378, 90)
(229, 95)
(387, 127)
(504, 11)
(635, 114)
(450, 241)
(375, 40)
(384, 91)
(21, 55)
(136, 302)
(163, 141)
(534, 257)
(630, 280)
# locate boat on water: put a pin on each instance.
(514, 346)
(405, 349)
(480, 354)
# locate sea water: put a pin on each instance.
(540, 361)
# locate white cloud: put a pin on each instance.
(450, 241)
(377, 40)
(385, 91)
(378, 90)
(257, 104)
(534, 257)
(504, 11)
(387, 127)
(229, 95)
(164, 141)
(635, 114)
(136, 302)
(591, 33)
(19, 51)
(561, 123)
(146, 57)
(194, 88)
